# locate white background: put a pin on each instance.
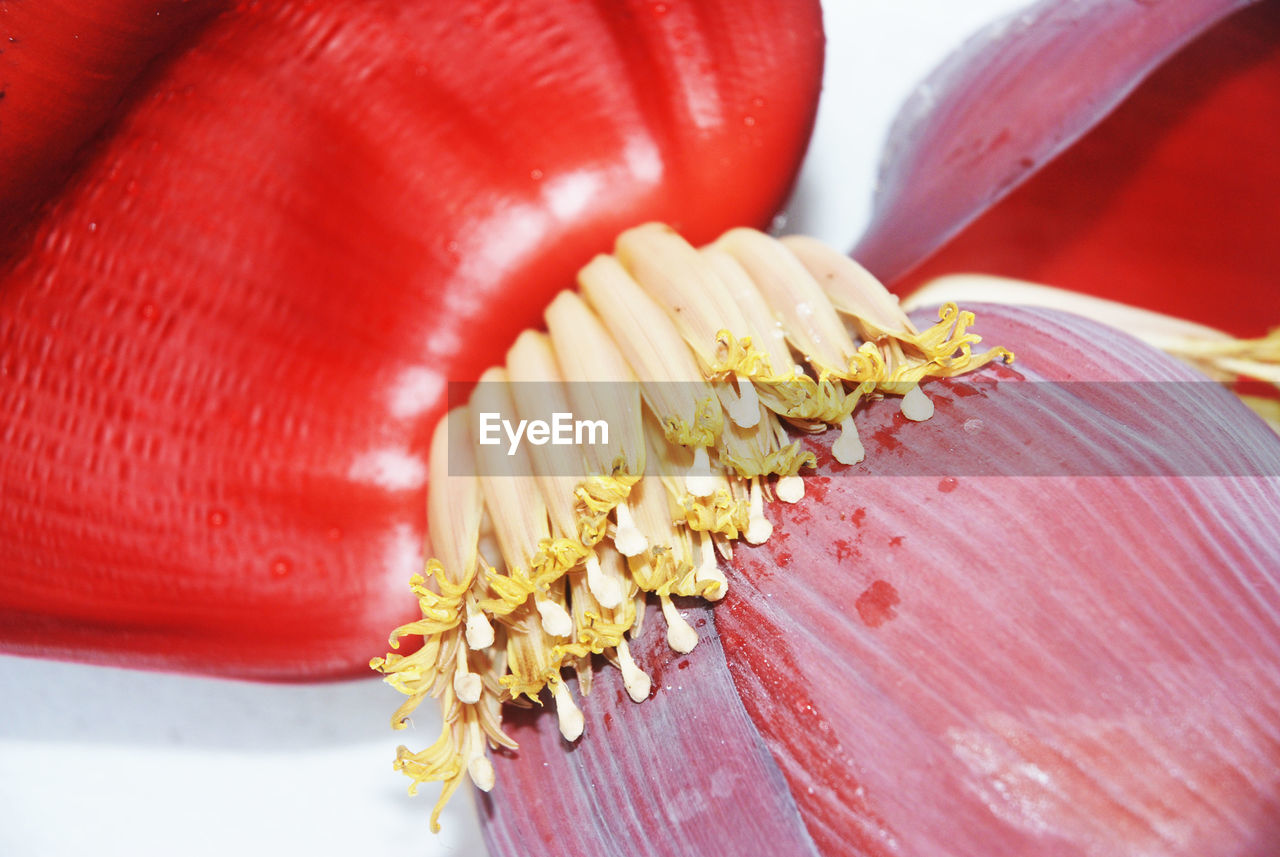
(113, 762)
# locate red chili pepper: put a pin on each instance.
(228, 334)
(1165, 204)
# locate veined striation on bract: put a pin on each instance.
(701, 359)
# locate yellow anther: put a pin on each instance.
(687, 357)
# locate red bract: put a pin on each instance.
(64, 66)
(997, 664)
(227, 337)
(685, 772)
(1166, 201)
(1005, 663)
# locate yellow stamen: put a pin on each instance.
(848, 447)
(606, 589)
(745, 410)
(708, 570)
(627, 536)
(466, 684)
(634, 679)
(767, 334)
(699, 480)
(686, 285)
(567, 712)
(1216, 353)
(687, 356)
(680, 635)
(758, 527)
(479, 768)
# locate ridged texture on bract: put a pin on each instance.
(227, 336)
(684, 772)
(1072, 666)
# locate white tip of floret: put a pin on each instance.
(568, 713)
(555, 621)
(790, 489)
(606, 589)
(848, 447)
(634, 679)
(745, 410)
(699, 481)
(478, 765)
(680, 634)
(479, 632)
(627, 537)
(481, 771)
(916, 406)
(709, 569)
(468, 687)
(758, 527)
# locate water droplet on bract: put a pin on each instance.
(281, 567)
(749, 120)
(334, 534)
(660, 9)
(148, 311)
(217, 518)
(536, 175)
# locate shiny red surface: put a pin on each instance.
(64, 67)
(1169, 203)
(227, 335)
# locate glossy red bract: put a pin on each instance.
(227, 334)
(1008, 163)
